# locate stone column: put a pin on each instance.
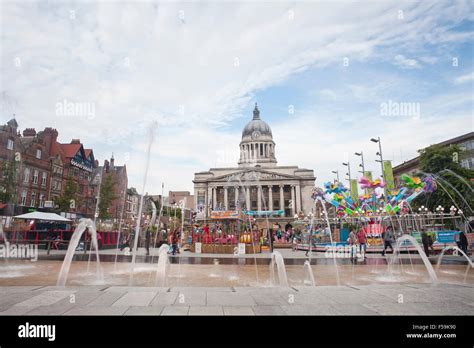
(236, 194)
(208, 200)
(247, 197)
(282, 200)
(226, 198)
(259, 197)
(298, 199)
(293, 201)
(270, 197)
(214, 198)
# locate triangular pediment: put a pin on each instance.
(252, 175)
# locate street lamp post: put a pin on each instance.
(379, 153)
(362, 165)
(337, 174)
(348, 165)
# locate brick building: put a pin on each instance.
(118, 208)
(43, 166)
(30, 155)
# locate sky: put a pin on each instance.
(327, 76)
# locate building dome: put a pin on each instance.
(257, 146)
(256, 125)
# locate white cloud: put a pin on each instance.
(464, 78)
(403, 62)
(139, 62)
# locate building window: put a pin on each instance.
(10, 144)
(23, 197)
(35, 177)
(41, 201)
(26, 175)
(33, 199)
(38, 154)
(43, 179)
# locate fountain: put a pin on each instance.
(3, 235)
(452, 247)
(282, 277)
(73, 243)
(326, 216)
(421, 252)
(151, 137)
(308, 274)
(162, 269)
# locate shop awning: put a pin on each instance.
(37, 215)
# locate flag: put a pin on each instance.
(388, 175)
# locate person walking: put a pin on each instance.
(352, 240)
(147, 241)
(463, 243)
(387, 239)
(362, 238)
(174, 242)
(426, 243)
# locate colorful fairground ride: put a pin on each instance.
(336, 212)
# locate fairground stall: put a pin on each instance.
(225, 233)
(377, 211)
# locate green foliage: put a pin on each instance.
(70, 194)
(107, 196)
(8, 170)
(443, 162)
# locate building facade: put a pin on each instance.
(465, 142)
(43, 167)
(118, 208)
(174, 197)
(257, 184)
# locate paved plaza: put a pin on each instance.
(394, 299)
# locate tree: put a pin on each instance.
(69, 199)
(107, 196)
(8, 170)
(453, 180)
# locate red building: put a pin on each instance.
(42, 168)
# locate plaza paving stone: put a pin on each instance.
(229, 299)
(164, 299)
(309, 309)
(268, 310)
(206, 310)
(136, 298)
(106, 299)
(79, 298)
(45, 298)
(174, 310)
(97, 310)
(141, 310)
(238, 310)
(124, 289)
(191, 298)
(50, 310)
(272, 299)
(17, 310)
(438, 299)
(8, 300)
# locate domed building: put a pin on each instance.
(257, 185)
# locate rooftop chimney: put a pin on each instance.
(29, 132)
